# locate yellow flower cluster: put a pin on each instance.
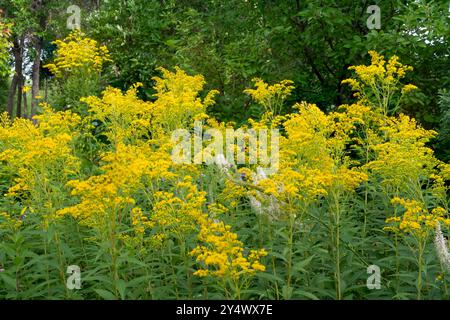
(125, 115)
(108, 196)
(378, 82)
(140, 221)
(312, 160)
(416, 220)
(78, 54)
(401, 154)
(271, 97)
(7, 221)
(408, 88)
(39, 158)
(231, 194)
(140, 164)
(27, 148)
(26, 89)
(394, 151)
(222, 253)
(178, 100)
(178, 214)
(445, 171)
(129, 117)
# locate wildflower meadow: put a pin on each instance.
(118, 183)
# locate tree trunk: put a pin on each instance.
(46, 90)
(21, 78)
(11, 95)
(25, 105)
(18, 60)
(36, 74)
(19, 96)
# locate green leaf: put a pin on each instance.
(121, 287)
(105, 294)
(8, 280)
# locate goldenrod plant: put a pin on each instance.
(97, 187)
(77, 66)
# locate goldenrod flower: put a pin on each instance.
(78, 53)
(26, 89)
